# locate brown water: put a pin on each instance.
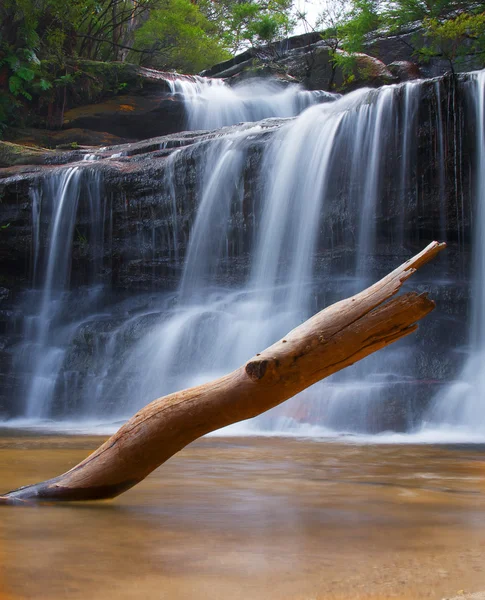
(252, 519)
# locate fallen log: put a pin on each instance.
(331, 340)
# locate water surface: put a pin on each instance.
(252, 518)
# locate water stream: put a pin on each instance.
(213, 103)
(319, 183)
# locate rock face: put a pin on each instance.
(135, 178)
(108, 103)
(308, 60)
(129, 117)
(111, 103)
(17, 154)
(152, 191)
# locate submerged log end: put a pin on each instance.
(54, 489)
(10, 501)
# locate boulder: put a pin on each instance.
(404, 70)
(317, 70)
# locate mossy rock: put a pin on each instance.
(69, 139)
(16, 154)
(95, 81)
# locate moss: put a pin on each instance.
(68, 146)
(15, 154)
(95, 81)
(69, 139)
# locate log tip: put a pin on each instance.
(425, 256)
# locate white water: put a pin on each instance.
(463, 404)
(46, 337)
(45, 357)
(212, 329)
(212, 103)
(349, 147)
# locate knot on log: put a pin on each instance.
(256, 369)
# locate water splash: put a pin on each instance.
(212, 103)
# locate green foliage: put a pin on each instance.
(178, 36)
(448, 29)
(455, 38)
(249, 22)
(364, 18)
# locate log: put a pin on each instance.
(331, 340)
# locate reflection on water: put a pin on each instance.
(252, 519)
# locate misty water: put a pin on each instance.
(149, 344)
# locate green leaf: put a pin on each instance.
(25, 73)
(15, 85)
(45, 85)
(64, 79)
(12, 61)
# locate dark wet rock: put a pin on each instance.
(131, 117)
(312, 65)
(308, 59)
(323, 74)
(404, 48)
(144, 254)
(268, 53)
(107, 103)
(394, 48)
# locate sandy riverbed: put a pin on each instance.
(252, 518)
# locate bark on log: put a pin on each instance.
(331, 340)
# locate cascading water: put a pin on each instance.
(212, 103)
(463, 403)
(285, 221)
(46, 335)
(212, 329)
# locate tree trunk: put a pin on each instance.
(331, 340)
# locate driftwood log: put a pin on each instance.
(331, 340)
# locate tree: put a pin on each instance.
(331, 340)
(177, 35)
(455, 39)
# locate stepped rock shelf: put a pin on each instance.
(242, 231)
(331, 340)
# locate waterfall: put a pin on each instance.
(352, 144)
(46, 336)
(281, 219)
(462, 405)
(212, 103)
